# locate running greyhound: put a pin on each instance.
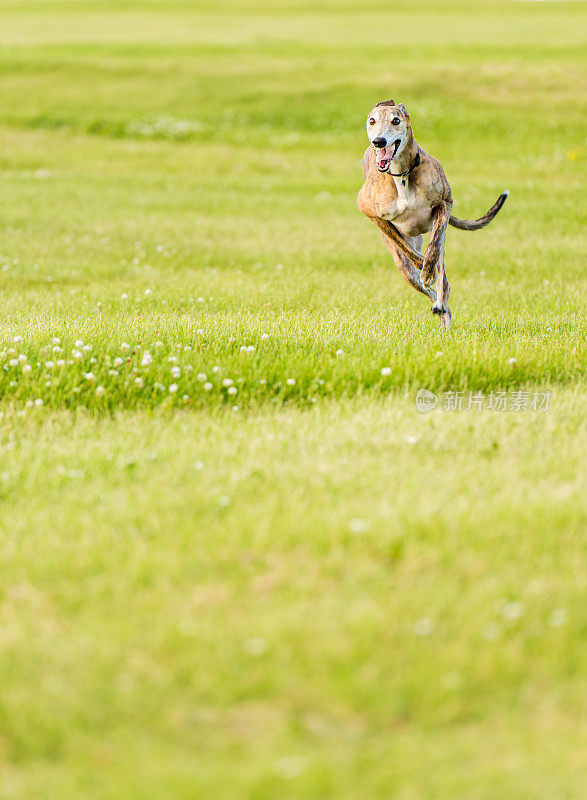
(406, 194)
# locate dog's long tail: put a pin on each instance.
(476, 224)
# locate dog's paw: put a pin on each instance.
(439, 308)
(445, 319)
(428, 274)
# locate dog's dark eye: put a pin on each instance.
(395, 121)
(371, 121)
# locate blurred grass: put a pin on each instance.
(321, 594)
(296, 603)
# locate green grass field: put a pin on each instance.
(236, 562)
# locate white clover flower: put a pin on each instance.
(340, 352)
(558, 617)
(279, 266)
(357, 525)
(118, 362)
(201, 376)
(99, 391)
(423, 627)
(26, 368)
(56, 340)
(22, 358)
(385, 372)
(87, 347)
(124, 297)
(49, 364)
(172, 359)
(76, 354)
(290, 766)
(512, 361)
(216, 369)
(17, 339)
(291, 382)
(93, 360)
(264, 337)
(61, 362)
(39, 402)
(147, 359)
(79, 343)
(187, 347)
(200, 332)
(198, 465)
(513, 610)
(175, 372)
(227, 382)
(208, 386)
(158, 344)
(29, 404)
(251, 349)
(243, 348)
(263, 381)
(173, 388)
(56, 349)
(113, 372)
(89, 376)
(13, 362)
(124, 347)
(232, 390)
(139, 383)
(148, 291)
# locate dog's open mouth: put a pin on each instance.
(385, 155)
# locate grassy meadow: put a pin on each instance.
(235, 561)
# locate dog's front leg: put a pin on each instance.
(406, 269)
(389, 231)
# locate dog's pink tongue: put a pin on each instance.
(382, 154)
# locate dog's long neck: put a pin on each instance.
(406, 158)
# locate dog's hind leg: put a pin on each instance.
(406, 269)
(440, 306)
(435, 249)
(434, 263)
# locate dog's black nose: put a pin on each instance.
(379, 142)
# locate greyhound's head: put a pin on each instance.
(388, 129)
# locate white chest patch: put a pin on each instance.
(403, 193)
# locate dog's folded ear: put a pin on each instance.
(402, 107)
(386, 103)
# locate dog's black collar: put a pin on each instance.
(404, 175)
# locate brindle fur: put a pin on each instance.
(405, 208)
